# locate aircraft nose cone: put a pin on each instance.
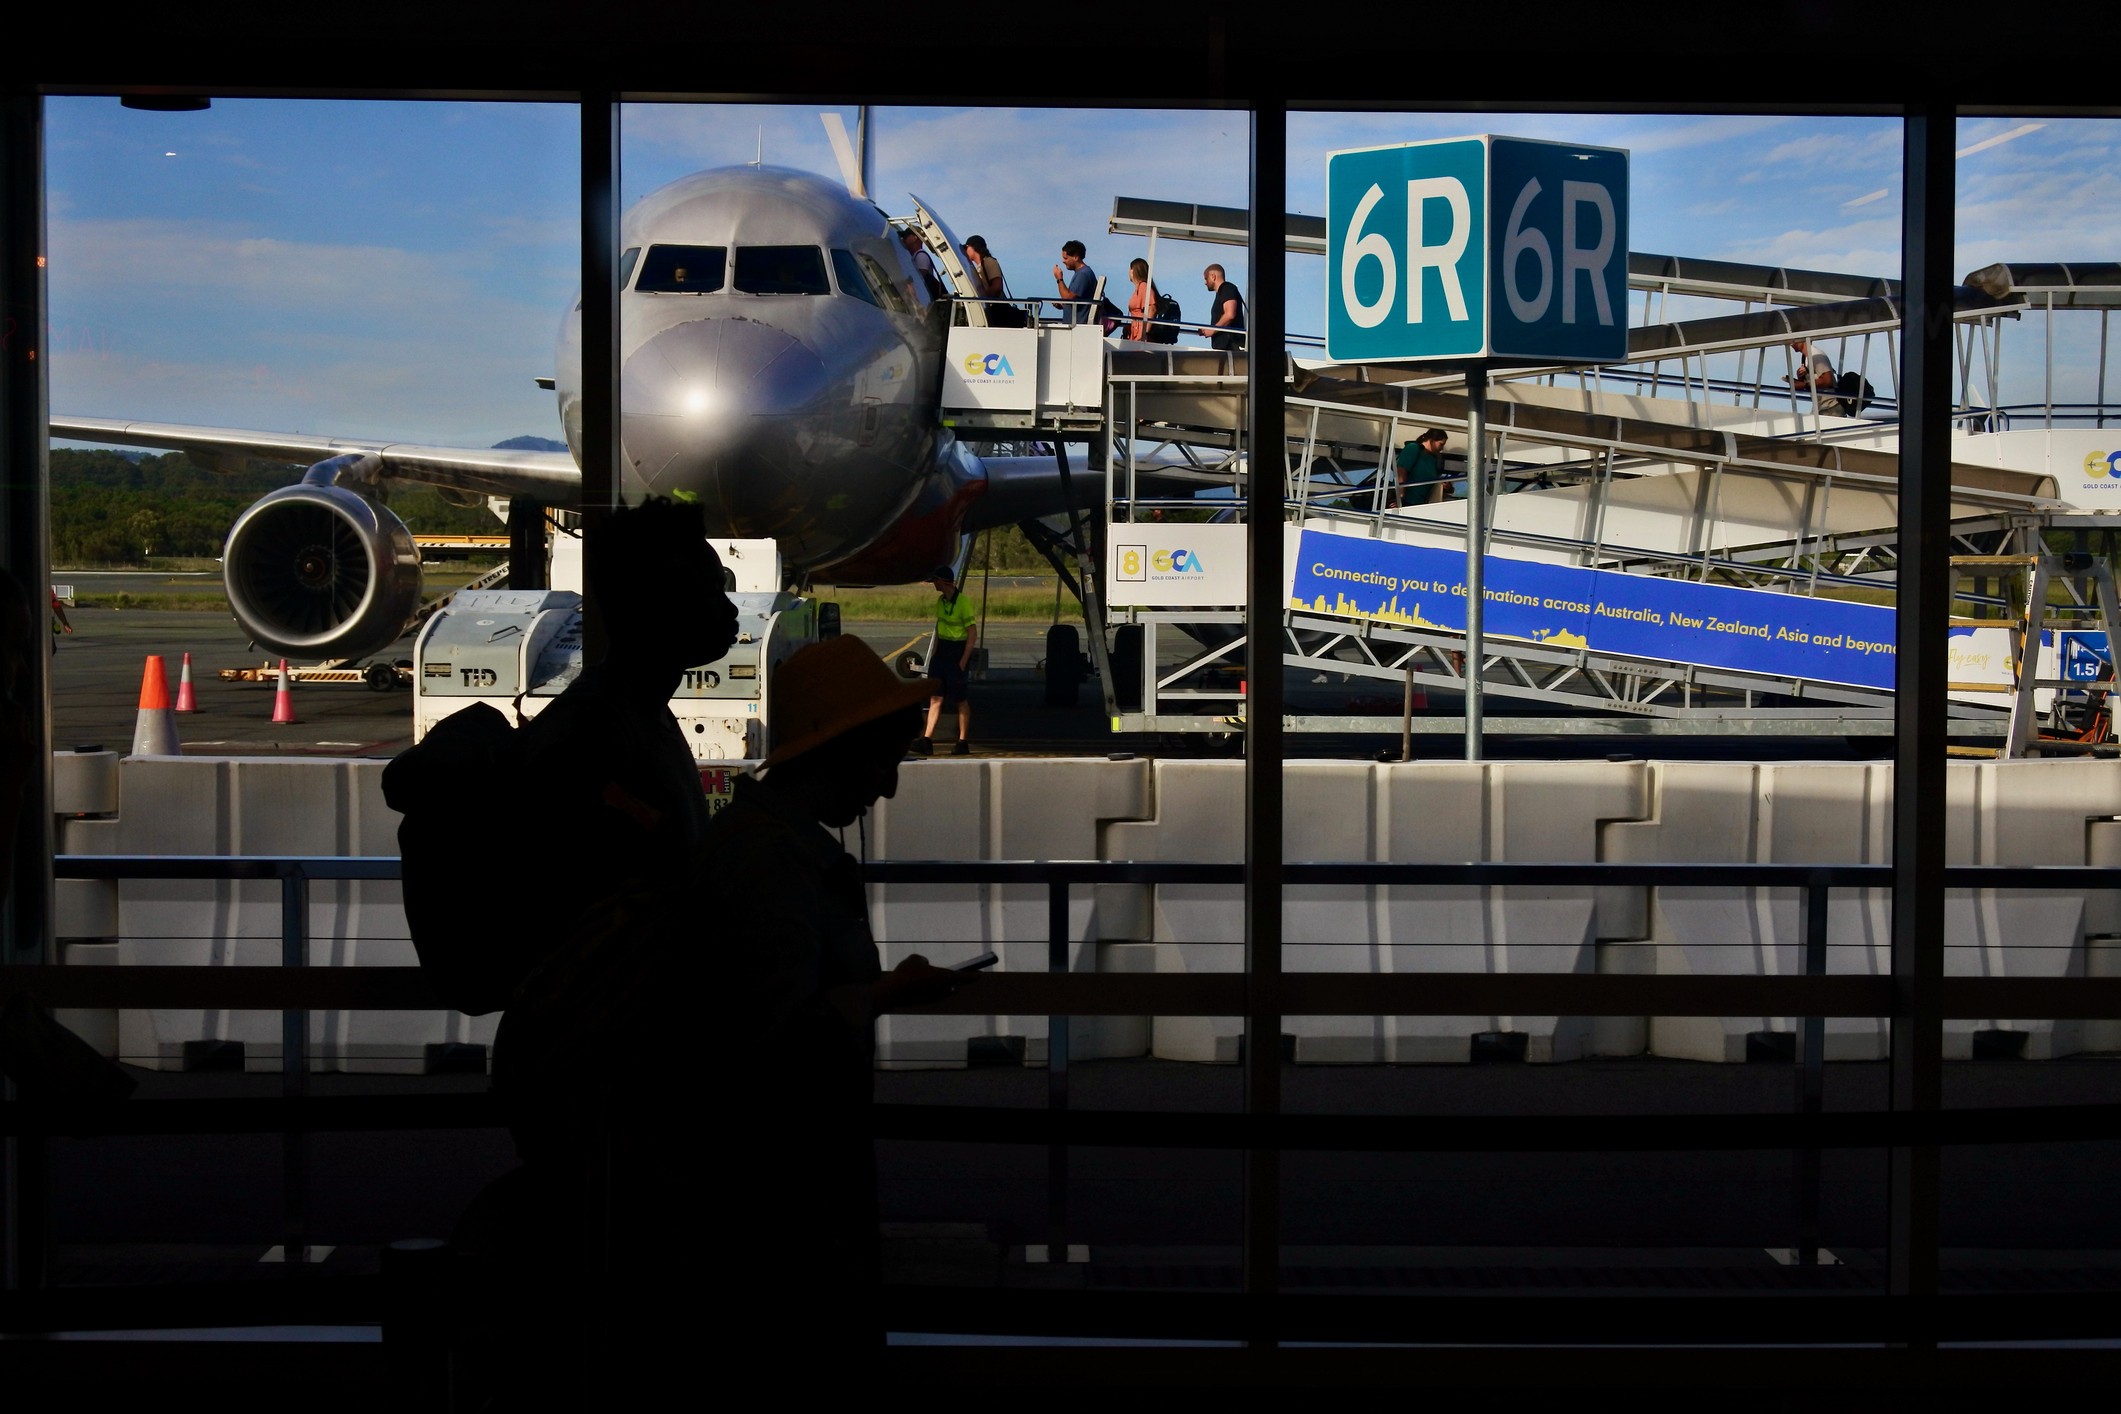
(712, 408)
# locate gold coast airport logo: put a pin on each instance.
(991, 365)
(1136, 562)
(2102, 466)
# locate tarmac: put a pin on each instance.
(96, 692)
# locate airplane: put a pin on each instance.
(780, 364)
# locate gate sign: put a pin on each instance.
(1477, 248)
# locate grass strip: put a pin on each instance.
(124, 600)
(914, 605)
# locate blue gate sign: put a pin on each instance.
(1477, 248)
(1671, 620)
(2084, 657)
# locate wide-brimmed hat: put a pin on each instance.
(832, 687)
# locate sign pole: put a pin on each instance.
(1476, 546)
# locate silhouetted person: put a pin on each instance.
(49, 1064)
(596, 798)
(798, 992)
(596, 790)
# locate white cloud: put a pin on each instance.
(198, 322)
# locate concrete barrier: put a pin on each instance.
(999, 808)
(1718, 812)
(240, 805)
(2008, 812)
(1418, 812)
(2027, 812)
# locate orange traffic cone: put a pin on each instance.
(283, 705)
(155, 729)
(186, 702)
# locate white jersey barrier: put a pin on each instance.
(1420, 812)
(2010, 813)
(235, 806)
(1011, 808)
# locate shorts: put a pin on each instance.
(946, 670)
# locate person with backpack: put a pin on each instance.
(986, 274)
(929, 287)
(1074, 281)
(1226, 311)
(602, 778)
(512, 841)
(1421, 478)
(1144, 306)
(1816, 375)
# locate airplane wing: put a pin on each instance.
(550, 477)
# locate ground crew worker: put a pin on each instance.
(956, 639)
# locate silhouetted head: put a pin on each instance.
(842, 778)
(660, 586)
(841, 725)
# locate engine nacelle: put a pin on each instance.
(321, 571)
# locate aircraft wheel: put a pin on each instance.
(380, 677)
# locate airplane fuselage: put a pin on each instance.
(779, 362)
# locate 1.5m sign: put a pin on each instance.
(1477, 248)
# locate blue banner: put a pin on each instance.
(1748, 630)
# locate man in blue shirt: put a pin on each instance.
(1075, 281)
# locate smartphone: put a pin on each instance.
(978, 964)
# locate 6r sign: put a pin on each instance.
(1494, 249)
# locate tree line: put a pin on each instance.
(108, 508)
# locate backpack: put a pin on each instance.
(1165, 331)
(1855, 390)
(465, 841)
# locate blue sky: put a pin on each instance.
(399, 269)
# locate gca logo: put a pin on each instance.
(991, 365)
(1136, 560)
(2103, 464)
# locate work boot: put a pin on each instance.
(963, 748)
(923, 746)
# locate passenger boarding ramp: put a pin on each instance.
(1574, 488)
(1697, 462)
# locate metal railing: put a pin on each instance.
(295, 989)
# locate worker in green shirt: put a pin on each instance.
(1421, 474)
(956, 636)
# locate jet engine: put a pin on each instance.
(319, 570)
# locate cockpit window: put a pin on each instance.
(627, 260)
(781, 270)
(865, 280)
(683, 269)
(852, 280)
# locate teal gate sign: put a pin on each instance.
(1495, 249)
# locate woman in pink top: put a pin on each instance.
(1142, 307)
